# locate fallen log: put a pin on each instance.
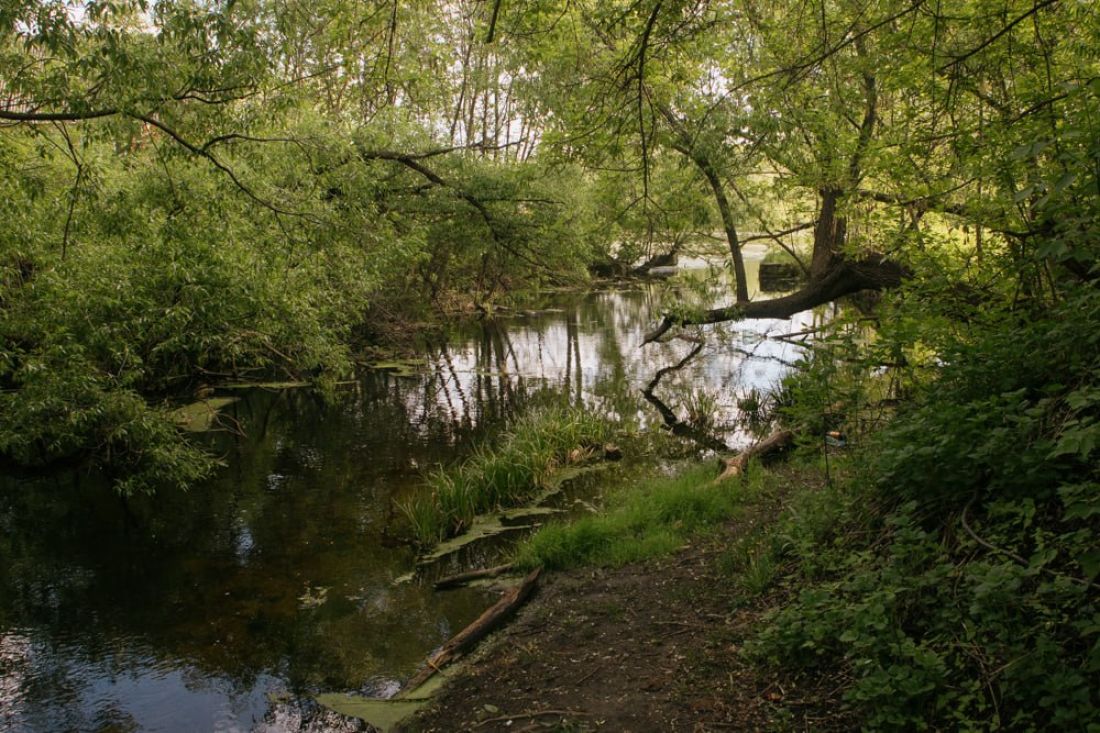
(462, 642)
(777, 442)
(454, 581)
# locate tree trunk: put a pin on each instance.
(844, 278)
(740, 276)
(830, 232)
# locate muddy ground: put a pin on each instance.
(655, 646)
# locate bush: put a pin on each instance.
(968, 601)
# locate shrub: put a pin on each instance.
(968, 600)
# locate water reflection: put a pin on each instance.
(189, 611)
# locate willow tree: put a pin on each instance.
(896, 119)
(200, 191)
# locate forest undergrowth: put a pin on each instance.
(941, 566)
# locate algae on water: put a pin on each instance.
(384, 715)
(482, 527)
(400, 367)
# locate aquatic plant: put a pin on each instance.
(511, 471)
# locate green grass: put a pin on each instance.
(751, 562)
(654, 517)
(507, 474)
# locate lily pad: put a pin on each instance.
(400, 367)
(265, 385)
(198, 417)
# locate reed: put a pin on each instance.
(506, 474)
(649, 519)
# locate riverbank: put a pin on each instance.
(275, 576)
(656, 645)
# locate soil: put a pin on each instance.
(654, 646)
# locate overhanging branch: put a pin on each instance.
(413, 162)
(844, 278)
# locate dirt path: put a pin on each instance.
(649, 647)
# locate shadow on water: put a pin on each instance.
(193, 611)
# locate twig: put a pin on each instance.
(491, 34)
(788, 336)
(525, 716)
(989, 41)
(673, 423)
(588, 676)
(454, 581)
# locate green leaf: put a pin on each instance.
(1090, 563)
(1065, 181)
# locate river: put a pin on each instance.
(275, 580)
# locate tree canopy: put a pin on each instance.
(196, 189)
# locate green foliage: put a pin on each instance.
(652, 518)
(839, 384)
(159, 279)
(957, 585)
(510, 472)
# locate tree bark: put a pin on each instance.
(844, 278)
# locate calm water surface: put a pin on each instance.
(275, 580)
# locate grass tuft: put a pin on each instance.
(652, 518)
(512, 472)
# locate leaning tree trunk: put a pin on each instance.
(832, 276)
(741, 278)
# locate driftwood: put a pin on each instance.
(462, 642)
(454, 581)
(777, 442)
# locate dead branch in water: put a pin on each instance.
(454, 581)
(464, 640)
(674, 424)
